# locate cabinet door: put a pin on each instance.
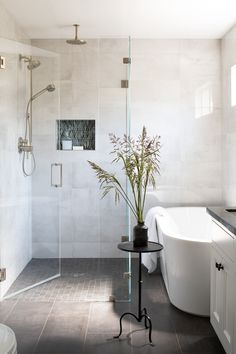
(216, 291)
(222, 301)
(227, 304)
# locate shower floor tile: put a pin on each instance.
(81, 279)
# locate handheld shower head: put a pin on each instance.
(49, 88)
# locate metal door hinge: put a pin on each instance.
(127, 275)
(124, 238)
(124, 83)
(112, 298)
(2, 274)
(126, 60)
(2, 62)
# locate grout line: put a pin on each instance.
(10, 312)
(177, 338)
(87, 327)
(40, 335)
(164, 291)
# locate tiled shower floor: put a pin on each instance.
(82, 279)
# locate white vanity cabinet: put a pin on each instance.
(223, 279)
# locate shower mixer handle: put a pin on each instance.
(24, 146)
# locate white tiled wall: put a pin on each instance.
(87, 87)
(15, 190)
(166, 76)
(229, 119)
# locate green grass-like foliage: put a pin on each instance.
(140, 160)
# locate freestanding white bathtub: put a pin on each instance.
(185, 260)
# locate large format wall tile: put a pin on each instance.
(166, 76)
(15, 189)
(229, 121)
(87, 90)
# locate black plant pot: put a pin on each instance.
(140, 235)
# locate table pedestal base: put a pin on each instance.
(147, 322)
(142, 313)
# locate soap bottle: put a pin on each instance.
(66, 142)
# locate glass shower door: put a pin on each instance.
(30, 249)
(66, 229)
(115, 118)
(48, 178)
(94, 103)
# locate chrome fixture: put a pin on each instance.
(56, 179)
(126, 60)
(2, 274)
(25, 144)
(124, 238)
(76, 41)
(2, 62)
(124, 84)
(49, 88)
(32, 63)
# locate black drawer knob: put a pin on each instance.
(219, 266)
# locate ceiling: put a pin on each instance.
(119, 18)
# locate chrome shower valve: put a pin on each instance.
(23, 145)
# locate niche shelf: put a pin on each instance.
(80, 133)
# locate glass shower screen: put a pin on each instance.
(30, 209)
(72, 234)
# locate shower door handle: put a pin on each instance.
(56, 175)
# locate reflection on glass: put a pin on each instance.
(233, 85)
(203, 100)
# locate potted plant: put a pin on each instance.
(140, 160)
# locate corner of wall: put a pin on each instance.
(10, 29)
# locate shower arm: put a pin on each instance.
(76, 31)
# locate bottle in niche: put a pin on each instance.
(66, 142)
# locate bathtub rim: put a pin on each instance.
(178, 236)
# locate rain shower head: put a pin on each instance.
(32, 63)
(76, 41)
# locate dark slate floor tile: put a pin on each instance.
(104, 343)
(6, 307)
(104, 317)
(163, 342)
(27, 320)
(163, 333)
(65, 330)
(80, 327)
(187, 324)
(199, 344)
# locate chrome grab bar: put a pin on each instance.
(60, 175)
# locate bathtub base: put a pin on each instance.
(189, 313)
(189, 292)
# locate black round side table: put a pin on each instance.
(142, 313)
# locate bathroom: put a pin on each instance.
(64, 282)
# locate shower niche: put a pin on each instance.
(76, 134)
